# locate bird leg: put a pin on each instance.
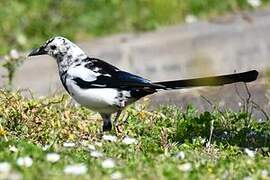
(107, 125)
(115, 122)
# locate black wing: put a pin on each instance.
(109, 76)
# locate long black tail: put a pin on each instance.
(210, 81)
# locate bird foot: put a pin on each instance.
(107, 127)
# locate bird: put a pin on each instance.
(106, 89)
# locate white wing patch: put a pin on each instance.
(82, 73)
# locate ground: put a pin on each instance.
(167, 143)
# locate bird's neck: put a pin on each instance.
(72, 57)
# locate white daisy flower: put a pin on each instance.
(108, 163)
(69, 144)
(203, 140)
(180, 155)
(128, 140)
(25, 161)
(254, 3)
(109, 138)
(240, 104)
(88, 145)
(5, 167)
(21, 39)
(96, 154)
(6, 58)
(46, 147)
(185, 167)
(91, 147)
(14, 176)
(264, 174)
(99, 144)
(75, 169)
(13, 148)
(250, 153)
(191, 19)
(14, 54)
(116, 175)
(247, 178)
(52, 157)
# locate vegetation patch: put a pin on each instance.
(52, 138)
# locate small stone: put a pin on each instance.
(116, 175)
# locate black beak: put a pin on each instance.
(37, 51)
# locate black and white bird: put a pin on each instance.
(104, 88)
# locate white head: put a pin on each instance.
(61, 49)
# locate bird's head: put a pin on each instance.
(60, 48)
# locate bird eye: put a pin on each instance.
(53, 47)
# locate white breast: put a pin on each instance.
(103, 100)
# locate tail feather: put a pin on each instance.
(210, 81)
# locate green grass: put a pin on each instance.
(30, 124)
(24, 24)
